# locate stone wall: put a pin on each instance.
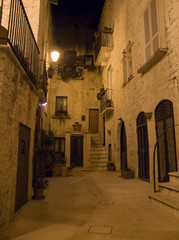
(18, 104)
(32, 8)
(144, 91)
(81, 95)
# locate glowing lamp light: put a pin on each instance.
(44, 104)
(55, 56)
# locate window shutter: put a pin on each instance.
(154, 23)
(147, 34)
(154, 18)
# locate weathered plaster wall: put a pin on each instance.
(81, 97)
(32, 8)
(143, 92)
(18, 104)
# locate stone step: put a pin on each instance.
(97, 146)
(174, 177)
(98, 158)
(97, 161)
(98, 149)
(98, 152)
(99, 168)
(99, 165)
(170, 189)
(166, 203)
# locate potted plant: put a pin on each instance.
(40, 182)
(63, 168)
(77, 127)
(127, 173)
(43, 158)
(111, 166)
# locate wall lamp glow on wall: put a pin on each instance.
(54, 56)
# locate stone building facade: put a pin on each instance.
(22, 92)
(139, 56)
(72, 92)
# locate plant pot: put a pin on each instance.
(56, 169)
(38, 194)
(63, 171)
(111, 167)
(127, 174)
(77, 127)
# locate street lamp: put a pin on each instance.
(55, 55)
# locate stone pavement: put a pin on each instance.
(94, 206)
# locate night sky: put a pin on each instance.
(89, 9)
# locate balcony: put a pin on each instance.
(21, 39)
(104, 46)
(106, 103)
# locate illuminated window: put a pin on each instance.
(61, 105)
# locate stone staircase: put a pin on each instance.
(98, 154)
(168, 196)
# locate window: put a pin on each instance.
(59, 145)
(127, 63)
(88, 60)
(61, 105)
(155, 47)
(151, 29)
(69, 58)
(60, 149)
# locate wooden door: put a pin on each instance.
(167, 161)
(123, 148)
(22, 167)
(143, 147)
(104, 132)
(76, 151)
(94, 120)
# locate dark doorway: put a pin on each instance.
(22, 167)
(167, 161)
(76, 151)
(109, 152)
(123, 148)
(143, 147)
(104, 132)
(94, 120)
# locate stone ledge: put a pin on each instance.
(154, 59)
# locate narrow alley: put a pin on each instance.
(94, 206)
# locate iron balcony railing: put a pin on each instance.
(104, 40)
(22, 40)
(106, 100)
(43, 81)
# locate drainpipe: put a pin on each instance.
(1, 11)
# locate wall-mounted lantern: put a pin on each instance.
(55, 55)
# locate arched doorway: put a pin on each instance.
(143, 146)
(123, 147)
(167, 161)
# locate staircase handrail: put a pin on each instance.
(155, 146)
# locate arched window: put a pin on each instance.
(123, 148)
(167, 161)
(143, 146)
